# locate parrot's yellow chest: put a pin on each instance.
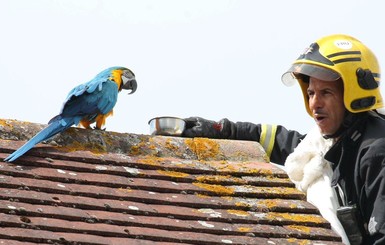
(116, 76)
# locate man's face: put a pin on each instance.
(326, 104)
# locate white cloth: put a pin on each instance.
(312, 174)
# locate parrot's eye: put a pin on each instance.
(127, 76)
(125, 80)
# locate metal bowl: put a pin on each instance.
(168, 126)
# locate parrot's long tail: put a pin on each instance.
(54, 127)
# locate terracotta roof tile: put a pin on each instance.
(100, 187)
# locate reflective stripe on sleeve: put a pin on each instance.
(267, 138)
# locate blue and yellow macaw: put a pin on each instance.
(88, 103)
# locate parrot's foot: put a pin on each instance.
(104, 129)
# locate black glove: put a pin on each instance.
(200, 127)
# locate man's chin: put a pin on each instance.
(324, 131)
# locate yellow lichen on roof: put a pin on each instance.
(243, 204)
(171, 145)
(136, 149)
(226, 167)
(302, 218)
(204, 148)
(151, 160)
(217, 189)
(4, 123)
(269, 204)
(202, 196)
(280, 190)
(125, 190)
(244, 229)
(238, 212)
(173, 173)
(82, 146)
(151, 144)
(227, 198)
(244, 156)
(264, 172)
(219, 179)
(301, 228)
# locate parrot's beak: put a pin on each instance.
(130, 85)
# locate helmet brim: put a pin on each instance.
(290, 77)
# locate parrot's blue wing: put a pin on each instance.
(94, 87)
(101, 100)
(88, 87)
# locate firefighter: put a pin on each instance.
(339, 77)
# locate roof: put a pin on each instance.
(100, 187)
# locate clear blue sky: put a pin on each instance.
(208, 58)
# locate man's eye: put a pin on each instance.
(326, 92)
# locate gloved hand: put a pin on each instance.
(200, 127)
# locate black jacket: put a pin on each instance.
(358, 162)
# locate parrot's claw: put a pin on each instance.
(103, 129)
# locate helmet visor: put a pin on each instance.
(291, 76)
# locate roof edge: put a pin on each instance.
(100, 141)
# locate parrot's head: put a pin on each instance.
(128, 80)
(123, 77)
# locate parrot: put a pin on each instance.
(87, 103)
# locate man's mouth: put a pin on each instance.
(319, 117)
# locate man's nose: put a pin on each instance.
(316, 101)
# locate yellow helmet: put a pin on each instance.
(340, 56)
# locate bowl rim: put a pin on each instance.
(166, 117)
